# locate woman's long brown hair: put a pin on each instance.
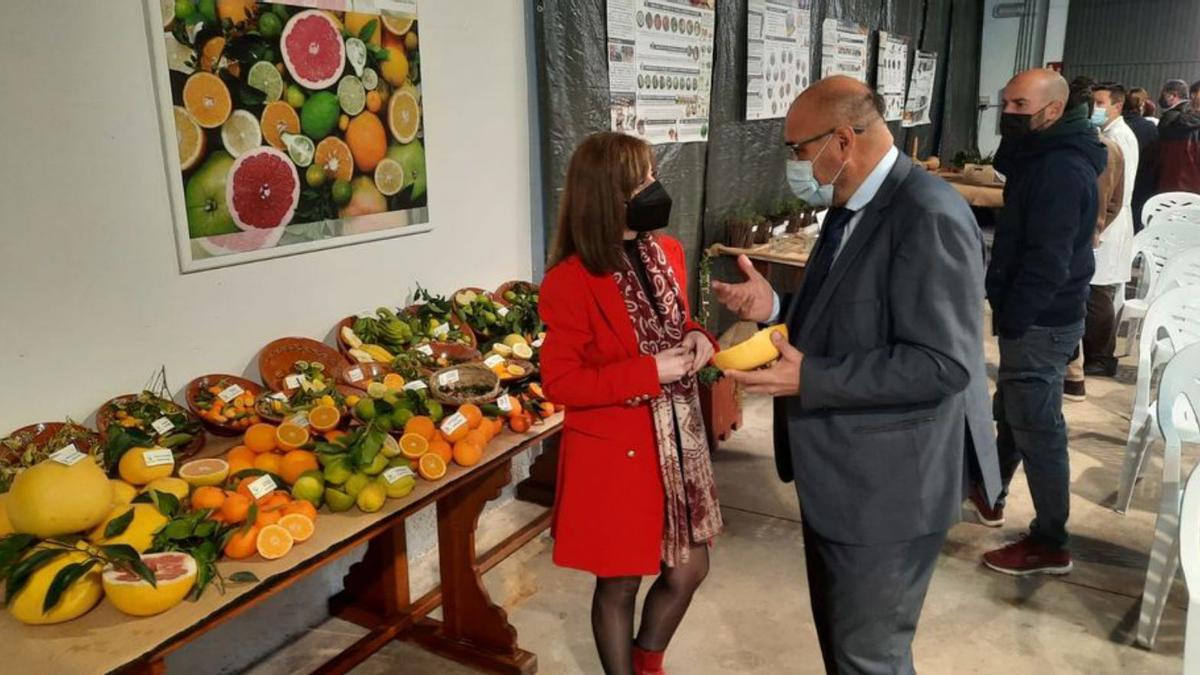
(605, 169)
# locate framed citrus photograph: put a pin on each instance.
(288, 127)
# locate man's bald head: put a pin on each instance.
(1039, 92)
(838, 101)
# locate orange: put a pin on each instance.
(442, 449)
(216, 517)
(301, 507)
(239, 466)
(519, 423)
(393, 381)
(207, 98)
(395, 69)
(431, 466)
(334, 156)
(242, 545)
(290, 436)
(261, 437)
(455, 427)
(269, 462)
(473, 414)
(497, 427)
(275, 501)
(210, 55)
(367, 140)
(267, 517)
(477, 436)
(404, 116)
(300, 526)
(237, 11)
(274, 541)
(420, 425)
(413, 446)
(277, 118)
(324, 417)
(208, 497)
(374, 102)
(235, 508)
(240, 453)
(296, 463)
(334, 435)
(190, 139)
(356, 21)
(514, 403)
(467, 453)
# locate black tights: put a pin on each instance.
(613, 607)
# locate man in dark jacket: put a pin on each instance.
(1179, 145)
(1146, 132)
(1037, 284)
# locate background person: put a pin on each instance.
(1179, 140)
(1145, 127)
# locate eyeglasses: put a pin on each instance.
(795, 148)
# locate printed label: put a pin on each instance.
(67, 455)
(299, 419)
(441, 329)
(415, 385)
(158, 457)
(278, 396)
(354, 374)
(261, 487)
(231, 392)
(162, 425)
(504, 403)
(452, 423)
(396, 473)
(425, 349)
(447, 378)
(536, 343)
(493, 360)
(292, 381)
(502, 311)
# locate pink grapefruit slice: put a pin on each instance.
(262, 190)
(313, 50)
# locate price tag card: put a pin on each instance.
(231, 392)
(425, 349)
(299, 419)
(162, 425)
(453, 422)
(67, 455)
(365, 314)
(536, 343)
(292, 381)
(442, 329)
(493, 360)
(416, 385)
(278, 396)
(158, 457)
(448, 378)
(262, 486)
(504, 403)
(396, 473)
(354, 374)
(502, 311)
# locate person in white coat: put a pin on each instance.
(1115, 253)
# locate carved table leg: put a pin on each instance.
(376, 588)
(542, 483)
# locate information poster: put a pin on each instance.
(660, 55)
(778, 54)
(920, 90)
(844, 49)
(890, 74)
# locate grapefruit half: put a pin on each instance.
(313, 50)
(262, 190)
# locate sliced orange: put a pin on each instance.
(420, 425)
(334, 156)
(442, 449)
(260, 438)
(278, 118)
(413, 446)
(190, 139)
(473, 414)
(403, 116)
(207, 98)
(291, 436)
(324, 417)
(467, 453)
(274, 541)
(431, 466)
(393, 381)
(396, 24)
(300, 526)
(210, 54)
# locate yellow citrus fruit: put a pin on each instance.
(396, 24)
(133, 469)
(209, 471)
(139, 533)
(334, 156)
(395, 69)
(274, 541)
(413, 446)
(189, 137)
(207, 98)
(279, 118)
(367, 141)
(356, 21)
(290, 436)
(431, 466)
(324, 417)
(404, 116)
(177, 487)
(300, 526)
(393, 381)
(123, 493)
(81, 596)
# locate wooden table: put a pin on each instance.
(981, 196)
(376, 592)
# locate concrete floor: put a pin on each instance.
(752, 614)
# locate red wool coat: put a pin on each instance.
(608, 514)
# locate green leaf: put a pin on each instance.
(120, 553)
(166, 503)
(243, 577)
(21, 572)
(368, 30)
(117, 526)
(205, 529)
(63, 580)
(178, 530)
(11, 549)
(251, 516)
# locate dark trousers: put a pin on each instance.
(866, 600)
(1029, 423)
(1100, 330)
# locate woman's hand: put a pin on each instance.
(673, 363)
(702, 350)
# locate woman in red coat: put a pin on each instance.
(635, 489)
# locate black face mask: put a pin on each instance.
(649, 209)
(1016, 126)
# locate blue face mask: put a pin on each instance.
(1099, 117)
(805, 185)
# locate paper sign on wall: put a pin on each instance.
(890, 74)
(778, 55)
(920, 90)
(844, 49)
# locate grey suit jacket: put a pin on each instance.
(893, 389)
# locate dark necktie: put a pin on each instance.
(832, 231)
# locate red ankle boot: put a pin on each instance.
(647, 662)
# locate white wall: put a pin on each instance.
(91, 298)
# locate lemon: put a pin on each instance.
(352, 95)
(170, 485)
(389, 177)
(502, 349)
(299, 148)
(371, 497)
(522, 351)
(513, 339)
(6, 527)
(404, 114)
(123, 492)
(133, 469)
(241, 133)
(265, 77)
(139, 534)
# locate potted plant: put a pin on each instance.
(739, 230)
(799, 215)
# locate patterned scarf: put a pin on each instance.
(692, 512)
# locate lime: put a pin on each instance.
(365, 408)
(266, 78)
(183, 9)
(337, 471)
(377, 390)
(377, 465)
(389, 177)
(208, 8)
(280, 11)
(315, 175)
(356, 54)
(351, 95)
(338, 501)
(370, 79)
(356, 483)
(319, 115)
(435, 411)
(398, 488)
(342, 192)
(295, 95)
(299, 148)
(310, 487)
(270, 25)
(372, 497)
(241, 133)
(400, 417)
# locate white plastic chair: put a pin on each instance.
(1172, 323)
(1178, 400)
(1189, 559)
(1178, 214)
(1154, 248)
(1164, 201)
(1182, 269)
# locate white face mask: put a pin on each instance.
(805, 185)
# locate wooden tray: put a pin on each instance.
(104, 419)
(275, 361)
(192, 392)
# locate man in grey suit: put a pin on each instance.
(881, 402)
